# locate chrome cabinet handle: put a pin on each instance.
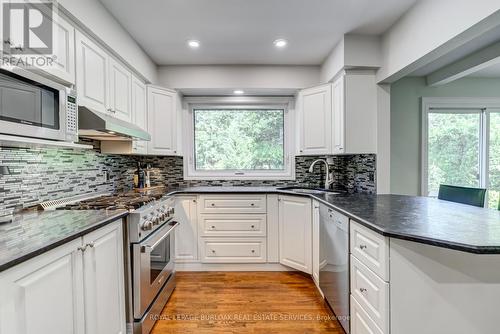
(91, 244)
(362, 290)
(363, 246)
(82, 248)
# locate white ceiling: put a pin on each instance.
(242, 31)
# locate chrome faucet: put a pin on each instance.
(328, 176)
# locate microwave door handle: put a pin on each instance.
(149, 248)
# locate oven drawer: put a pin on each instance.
(371, 292)
(233, 203)
(371, 248)
(233, 250)
(233, 225)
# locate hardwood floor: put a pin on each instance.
(245, 302)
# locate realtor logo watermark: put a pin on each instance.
(28, 34)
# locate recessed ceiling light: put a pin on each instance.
(194, 44)
(280, 43)
(238, 92)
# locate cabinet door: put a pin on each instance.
(103, 274)
(63, 65)
(120, 90)
(91, 74)
(139, 113)
(315, 242)
(338, 99)
(186, 234)
(295, 232)
(162, 109)
(315, 120)
(44, 295)
(4, 42)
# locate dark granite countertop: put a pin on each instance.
(420, 219)
(35, 232)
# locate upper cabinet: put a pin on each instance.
(139, 113)
(163, 106)
(338, 118)
(91, 74)
(120, 85)
(315, 118)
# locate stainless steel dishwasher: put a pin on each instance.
(334, 262)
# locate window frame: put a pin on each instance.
(481, 106)
(285, 103)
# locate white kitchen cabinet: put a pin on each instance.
(62, 66)
(295, 231)
(103, 269)
(92, 71)
(354, 101)
(74, 288)
(162, 121)
(315, 242)
(45, 294)
(120, 90)
(186, 234)
(315, 120)
(139, 113)
(338, 118)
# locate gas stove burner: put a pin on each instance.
(127, 201)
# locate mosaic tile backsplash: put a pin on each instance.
(42, 174)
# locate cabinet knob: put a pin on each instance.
(363, 246)
(91, 244)
(253, 226)
(213, 251)
(213, 227)
(252, 204)
(213, 204)
(253, 250)
(82, 249)
(362, 290)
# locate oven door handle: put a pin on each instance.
(149, 248)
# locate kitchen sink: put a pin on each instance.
(304, 190)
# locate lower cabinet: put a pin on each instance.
(233, 250)
(76, 288)
(186, 235)
(315, 243)
(295, 231)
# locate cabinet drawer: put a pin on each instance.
(233, 250)
(371, 292)
(233, 203)
(361, 323)
(371, 248)
(246, 225)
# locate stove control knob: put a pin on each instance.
(156, 221)
(163, 216)
(148, 225)
(171, 211)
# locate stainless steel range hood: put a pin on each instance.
(97, 125)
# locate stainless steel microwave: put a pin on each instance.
(34, 106)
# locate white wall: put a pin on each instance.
(244, 77)
(101, 23)
(427, 26)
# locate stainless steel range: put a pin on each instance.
(148, 245)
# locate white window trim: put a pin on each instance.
(457, 103)
(285, 103)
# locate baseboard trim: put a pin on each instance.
(231, 267)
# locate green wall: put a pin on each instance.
(406, 122)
